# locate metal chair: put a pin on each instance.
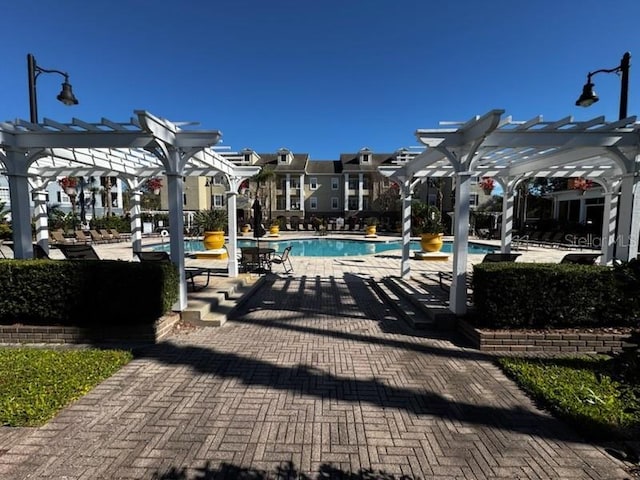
(283, 260)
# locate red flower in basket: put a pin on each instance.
(68, 184)
(154, 185)
(487, 184)
(582, 184)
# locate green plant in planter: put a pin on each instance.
(213, 220)
(371, 221)
(426, 218)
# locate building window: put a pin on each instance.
(473, 199)
(334, 183)
(218, 200)
(353, 184)
(247, 158)
(217, 180)
(313, 203)
(313, 183)
(365, 158)
(365, 203)
(283, 158)
(353, 203)
(295, 205)
(335, 204)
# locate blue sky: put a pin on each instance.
(322, 77)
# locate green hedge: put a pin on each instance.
(540, 295)
(85, 293)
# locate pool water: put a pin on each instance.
(331, 247)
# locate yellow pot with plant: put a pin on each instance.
(212, 224)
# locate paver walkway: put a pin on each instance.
(315, 376)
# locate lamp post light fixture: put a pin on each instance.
(589, 97)
(66, 95)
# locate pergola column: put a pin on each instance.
(629, 212)
(175, 190)
(405, 196)
(360, 192)
(20, 204)
(609, 214)
(458, 293)
(41, 218)
(136, 220)
(232, 244)
(508, 187)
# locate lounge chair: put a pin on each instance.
(283, 260)
(97, 236)
(78, 252)
(580, 258)
(59, 239)
(447, 277)
(120, 237)
(81, 237)
(106, 235)
(190, 272)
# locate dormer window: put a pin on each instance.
(284, 156)
(365, 156)
(246, 158)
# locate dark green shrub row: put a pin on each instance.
(85, 293)
(540, 295)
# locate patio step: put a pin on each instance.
(422, 306)
(212, 306)
(408, 311)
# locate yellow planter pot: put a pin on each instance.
(274, 229)
(431, 242)
(213, 240)
(370, 230)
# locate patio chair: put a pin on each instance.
(81, 237)
(190, 272)
(120, 237)
(580, 258)
(283, 260)
(97, 236)
(78, 252)
(59, 239)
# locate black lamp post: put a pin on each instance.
(589, 97)
(65, 96)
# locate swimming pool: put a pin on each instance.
(331, 247)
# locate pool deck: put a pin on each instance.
(316, 377)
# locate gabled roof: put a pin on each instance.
(324, 167)
(297, 165)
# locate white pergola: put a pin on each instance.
(606, 152)
(35, 154)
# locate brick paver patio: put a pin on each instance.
(314, 376)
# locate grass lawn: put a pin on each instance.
(36, 383)
(587, 391)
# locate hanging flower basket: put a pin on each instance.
(154, 185)
(582, 184)
(487, 184)
(69, 185)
